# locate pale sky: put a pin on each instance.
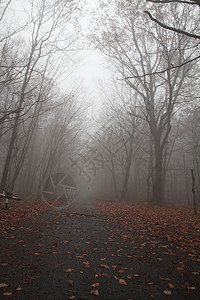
(87, 72)
(90, 70)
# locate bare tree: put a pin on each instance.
(121, 136)
(47, 18)
(182, 28)
(136, 50)
(194, 4)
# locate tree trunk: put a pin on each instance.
(4, 179)
(158, 188)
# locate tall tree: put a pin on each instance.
(137, 51)
(48, 19)
(183, 28)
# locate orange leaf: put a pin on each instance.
(95, 285)
(86, 264)
(167, 279)
(7, 294)
(114, 267)
(69, 270)
(4, 264)
(171, 285)
(167, 292)
(3, 284)
(122, 281)
(105, 266)
(71, 282)
(94, 292)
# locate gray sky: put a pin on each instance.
(91, 70)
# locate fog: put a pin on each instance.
(98, 101)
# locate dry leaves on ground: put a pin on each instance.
(10, 218)
(176, 224)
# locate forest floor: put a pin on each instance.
(99, 250)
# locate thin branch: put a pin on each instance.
(4, 11)
(165, 70)
(195, 36)
(195, 2)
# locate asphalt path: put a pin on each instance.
(79, 254)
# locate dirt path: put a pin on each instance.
(78, 254)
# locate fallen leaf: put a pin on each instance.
(114, 267)
(69, 270)
(86, 264)
(72, 297)
(171, 285)
(122, 281)
(167, 292)
(94, 292)
(7, 294)
(105, 266)
(4, 264)
(71, 282)
(105, 274)
(167, 279)
(191, 287)
(19, 288)
(95, 284)
(3, 284)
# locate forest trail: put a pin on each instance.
(78, 253)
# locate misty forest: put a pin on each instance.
(99, 149)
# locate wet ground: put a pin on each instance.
(78, 254)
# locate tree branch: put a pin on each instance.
(161, 72)
(194, 2)
(195, 36)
